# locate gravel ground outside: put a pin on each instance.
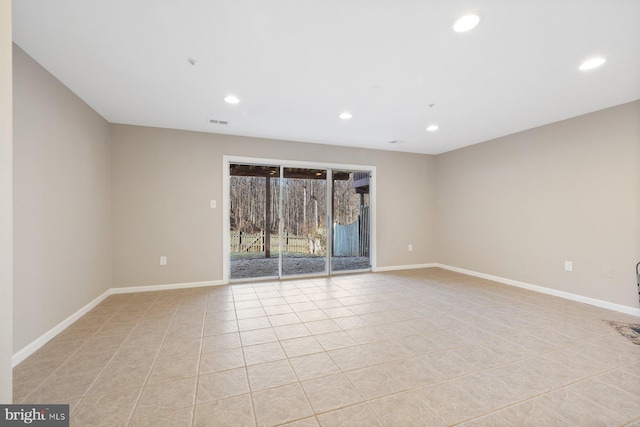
(251, 267)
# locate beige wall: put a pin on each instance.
(6, 209)
(97, 204)
(163, 181)
(62, 205)
(519, 206)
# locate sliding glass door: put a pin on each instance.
(304, 221)
(296, 221)
(351, 221)
(254, 221)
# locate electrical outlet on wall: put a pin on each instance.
(410, 247)
(163, 260)
(568, 266)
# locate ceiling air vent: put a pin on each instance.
(218, 122)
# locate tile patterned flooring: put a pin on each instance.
(414, 348)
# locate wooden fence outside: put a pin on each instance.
(352, 239)
(365, 231)
(348, 240)
(255, 242)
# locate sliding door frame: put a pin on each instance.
(227, 160)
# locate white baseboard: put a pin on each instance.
(403, 267)
(151, 288)
(31, 348)
(549, 291)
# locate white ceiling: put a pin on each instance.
(297, 64)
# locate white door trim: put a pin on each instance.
(228, 159)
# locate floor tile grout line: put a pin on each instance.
(472, 373)
(528, 397)
(246, 368)
(365, 400)
(596, 334)
(287, 358)
(153, 362)
(76, 351)
(501, 408)
(411, 390)
(202, 331)
(85, 395)
(636, 420)
(300, 382)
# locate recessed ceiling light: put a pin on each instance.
(592, 63)
(433, 128)
(231, 99)
(345, 116)
(466, 23)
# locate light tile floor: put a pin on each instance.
(415, 348)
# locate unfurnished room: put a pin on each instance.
(320, 213)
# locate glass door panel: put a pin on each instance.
(304, 221)
(254, 221)
(279, 217)
(350, 215)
